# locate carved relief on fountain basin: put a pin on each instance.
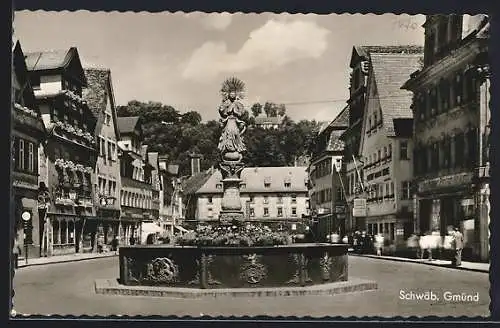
(233, 267)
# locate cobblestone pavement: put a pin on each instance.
(68, 289)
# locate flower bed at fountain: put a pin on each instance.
(233, 258)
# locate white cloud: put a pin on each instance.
(274, 44)
(217, 21)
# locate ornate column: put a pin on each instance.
(231, 147)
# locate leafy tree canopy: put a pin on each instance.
(178, 135)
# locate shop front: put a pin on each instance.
(445, 202)
(27, 223)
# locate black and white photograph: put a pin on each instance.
(250, 164)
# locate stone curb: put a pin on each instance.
(111, 287)
(402, 259)
(76, 259)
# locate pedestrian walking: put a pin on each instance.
(458, 243)
(436, 243)
(413, 246)
(16, 251)
(379, 243)
(114, 244)
(425, 245)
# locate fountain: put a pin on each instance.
(231, 258)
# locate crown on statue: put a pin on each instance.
(233, 84)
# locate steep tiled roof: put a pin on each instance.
(96, 91)
(127, 124)
(390, 72)
(192, 184)
(365, 51)
(53, 59)
(254, 178)
(342, 119)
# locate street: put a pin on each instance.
(68, 289)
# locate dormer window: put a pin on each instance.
(218, 186)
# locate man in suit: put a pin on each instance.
(459, 245)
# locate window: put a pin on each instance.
(340, 194)
(379, 155)
(110, 150)
(458, 89)
(21, 154)
(405, 190)
(267, 185)
(288, 184)
(392, 189)
(251, 198)
(266, 199)
(375, 121)
(218, 186)
(294, 211)
(403, 150)
(210, 200)
(31, 157)
(444, 93)
(266, 211)
(280, 211)
(280, 199)
(252, 211)
(210, 213)
(110, 188)
(294, 199)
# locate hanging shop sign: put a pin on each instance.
(359, 208)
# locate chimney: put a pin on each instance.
(195, 164)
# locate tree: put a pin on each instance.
(191, 117)
(281, 109)
(270, 109)
(256, 109)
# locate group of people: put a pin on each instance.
(432, 242)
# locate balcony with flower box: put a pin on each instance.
(25, 117)
(74, 134)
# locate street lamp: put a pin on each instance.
(26, 216)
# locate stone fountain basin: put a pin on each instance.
(295, 265)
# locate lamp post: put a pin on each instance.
(26, 216)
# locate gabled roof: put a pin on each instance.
(364, 52)
(98, 89)
(54, 60)
(21, 72)
(195, 182)
(390, 71)
(127, 125)
(342, 119)
(254, 178)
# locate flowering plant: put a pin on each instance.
(59, 162)
(246, 236)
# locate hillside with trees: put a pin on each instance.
(177, 135)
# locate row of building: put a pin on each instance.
(80, 173)
(410, 151)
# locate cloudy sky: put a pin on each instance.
(181, 59)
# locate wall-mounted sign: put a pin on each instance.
(445, 182)
(359, 208)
